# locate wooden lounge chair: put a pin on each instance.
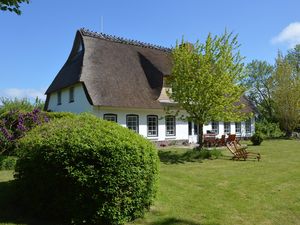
(240, 152)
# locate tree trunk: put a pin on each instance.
(200, 136)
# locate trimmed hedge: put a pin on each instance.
(84, 170)
(257, 139)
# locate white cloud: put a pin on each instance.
(289, 35)
(29, 93)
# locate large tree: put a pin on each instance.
(12, 5)
(286, 94)
(259, 83)
(205, 80)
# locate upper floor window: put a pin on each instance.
(152, 124)
(132, 122)
(170, 126)
(238, 128)
(248, 126)
(215, 127)
(227, 129)
(71, 94)
(110, 117)
(59, 98)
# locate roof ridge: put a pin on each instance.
(122, 40)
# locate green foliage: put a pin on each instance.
(60, 115)
(195, 155)
(256, 139)
(205, 80)
(23, 105)
(259, 83)
(87, 170)
(286, 95)
(7, 162)
(12, 5)
(268, 129)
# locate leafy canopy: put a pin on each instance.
(206, 79)
(12, 5)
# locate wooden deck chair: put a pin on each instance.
(237, 154)
(243, 149)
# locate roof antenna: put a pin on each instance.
(101, 25)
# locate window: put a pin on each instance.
(195, 129)
(71, 94)
(248, 126)
(152, 124)
(170, 126)
(59, 98)
(190, 128)
(238, 129)
(215, 127)
(132, 122)
(227, 129)
(110, 117)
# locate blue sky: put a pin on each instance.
(35, 45)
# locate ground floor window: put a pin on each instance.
(227, 129)
(215, 127)
(238, 128)
(248, 126)
(190, 128)
(132, 122)
(152, 125)
(195, 129)
(170, 126)
(110, 117)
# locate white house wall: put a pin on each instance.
(79, 105)
(181, 127)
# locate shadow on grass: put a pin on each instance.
(173, 157)
(10, 207)
(175, 221)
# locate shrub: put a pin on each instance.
(83, 169)
(256, 139)
(59, 115)
(7, 162)
(14, 124)
(268, 129)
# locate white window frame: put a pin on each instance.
(152, 126)
(59, 97)
(215, 130)
(132, 122)
(110, 117)
(71, 95)
(238, 127)
(248, 126)
(227, 127)
(170, 122)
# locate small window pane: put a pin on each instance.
(227, 129)
(152, 123)
(71, 94)
(59, 98)
(132, 122)
(170, 125)
(215, 127)
(238, 129)
(248, 126)
(110, 117)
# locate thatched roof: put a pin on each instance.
(115, 71)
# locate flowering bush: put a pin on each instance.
(14, 124)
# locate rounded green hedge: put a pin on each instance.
(84, 170)
(257, 139)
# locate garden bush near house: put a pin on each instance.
(268, 130)
(14, 124)
(256, 139)
(83, 169)
(7, 162)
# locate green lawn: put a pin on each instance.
(218, 191)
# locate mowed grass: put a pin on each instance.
(215, 192)
(228, 192)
